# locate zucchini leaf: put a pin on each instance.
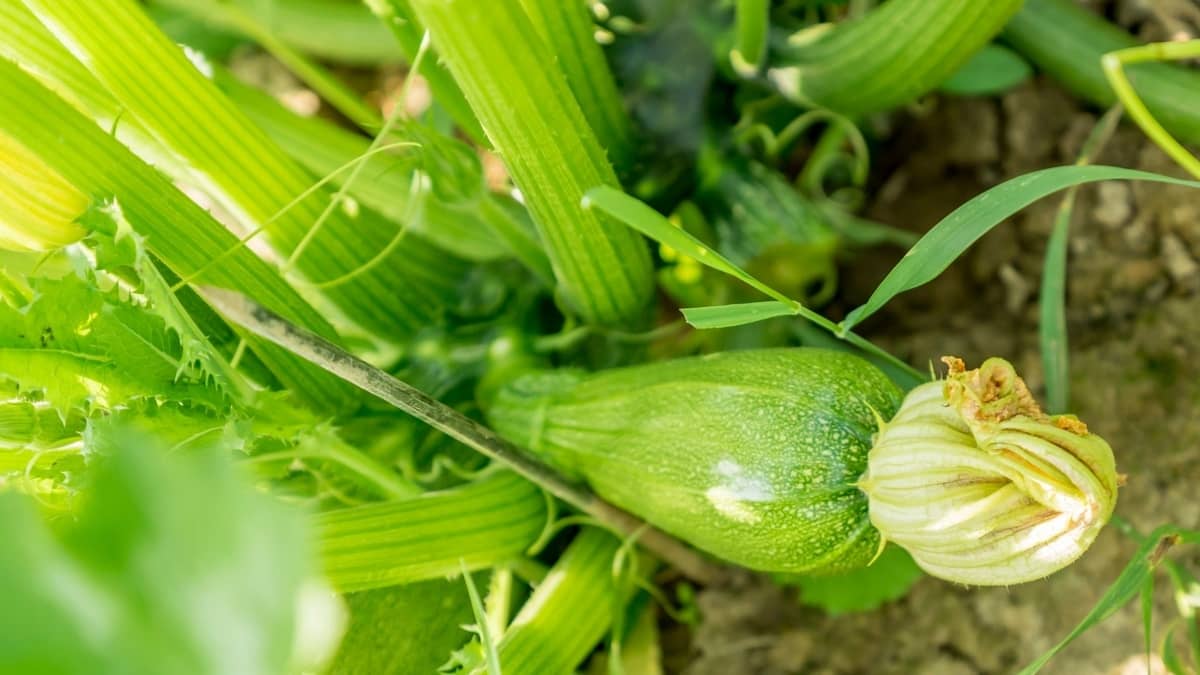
(403, 629)
(82, 348)
(861, 590)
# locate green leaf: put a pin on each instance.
(641, 217)
(1052, 317)
(992, 70)
(117, 244)
(85, 348)
(965, 225)
(403, 629)
(725, 316)
(174, 566)
(862, 590)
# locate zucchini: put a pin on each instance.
(751, 456)
(781, 461)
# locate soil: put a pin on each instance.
(1133, 313)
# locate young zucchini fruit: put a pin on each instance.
(781, 460)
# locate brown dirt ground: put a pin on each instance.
(1134, 317)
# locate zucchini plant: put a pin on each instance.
(286, 393)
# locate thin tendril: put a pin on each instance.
(415, 204)
(339, 196)
(241, 243)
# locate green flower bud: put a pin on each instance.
(38, 207)
(983, 488)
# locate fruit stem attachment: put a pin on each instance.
(307, 345)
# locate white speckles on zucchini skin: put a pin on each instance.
(752, 456)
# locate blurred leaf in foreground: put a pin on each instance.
(173, 565)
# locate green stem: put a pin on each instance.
(329, 88)
(224, 154)
(454, 424)
(335, 30)
(408, 33)
(390, 484)
(897, 52)
(534, 122)
(550, 634)
(1114, 69)
(567, 30)
(388, 543)
(752, 27)
(1068, 42)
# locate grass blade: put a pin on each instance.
(1128, 585)
(1052, 317)
(727, 316)
(636, 214)
(641, 217)
(956, 232)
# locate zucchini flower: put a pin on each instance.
(38, 207)
(982, 487)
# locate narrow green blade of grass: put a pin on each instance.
(238, 165)
(526, 107)
(390, 543)
(1052, 317)
(569, 33)
(1127, 586)
(1170, 655)
(641, 217)
(550, 634)
(408, 33)
(177, 231)
(1147, 598)
(727, 316)
(956, 232)
(1052, 296)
